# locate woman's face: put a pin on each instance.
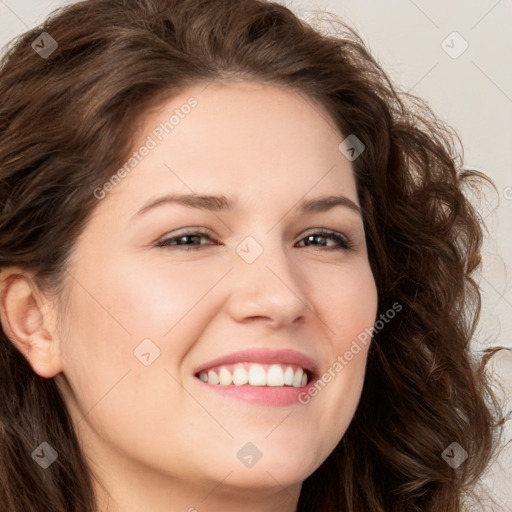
(144, 319)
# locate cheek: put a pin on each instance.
(350, 304)
(112, 314)
(112, 391)
(152, 299)
(95, 348)
(349, 301)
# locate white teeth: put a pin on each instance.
(275, 376)
(254, 374)
(213, 378)
(257, 375)
(240, 376)
(225, 378)
(288, 376)
(297, 378)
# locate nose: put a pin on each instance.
(269, 288)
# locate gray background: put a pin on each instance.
(471, 90)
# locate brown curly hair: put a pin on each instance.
(67, 123)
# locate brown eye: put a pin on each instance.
(343, 242)
(181, 240)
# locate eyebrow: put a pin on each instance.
(217, 203)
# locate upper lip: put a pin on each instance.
(263, 356)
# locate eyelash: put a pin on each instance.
(345, 243)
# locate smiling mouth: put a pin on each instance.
(256, 374)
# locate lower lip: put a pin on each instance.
(261, 395)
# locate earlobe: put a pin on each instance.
(23, 319)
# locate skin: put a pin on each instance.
(156, 439)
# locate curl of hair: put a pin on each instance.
(69, 121)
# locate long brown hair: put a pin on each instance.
(68, 118)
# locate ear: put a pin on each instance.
(26, 322)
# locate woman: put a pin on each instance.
(235, 271)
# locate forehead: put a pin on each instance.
(239, 138)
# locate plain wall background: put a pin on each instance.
(471, 90)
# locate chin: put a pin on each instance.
(275, 469)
